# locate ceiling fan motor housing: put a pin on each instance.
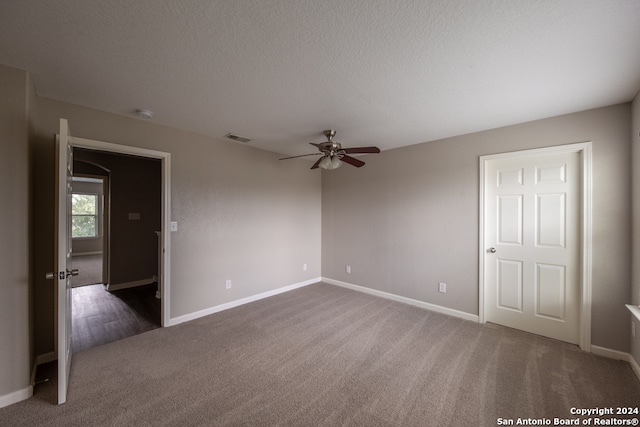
(330, 147)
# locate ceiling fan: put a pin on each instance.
(333, 155)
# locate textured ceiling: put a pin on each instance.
(387, 73)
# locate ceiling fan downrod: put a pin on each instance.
(330, 133)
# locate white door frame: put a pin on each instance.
(584, 149)
(165, 260)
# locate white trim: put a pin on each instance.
(634, 366)
(165, 157)
(586, 235)
(46, 358)
(610, 354)
(74, 254)
(634, 309)
(34, 369)
(481, 243)
(41, 359)
(617, 355)
(405, 300)
(584, 148)
(236, 303)
(16, 396)
(132, 284)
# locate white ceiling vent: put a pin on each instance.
(237, 138)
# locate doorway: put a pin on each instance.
(115, 246)
(90, 224)
(65, 146)
(163, 238)
(535, 234)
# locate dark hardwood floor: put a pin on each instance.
(100, 316)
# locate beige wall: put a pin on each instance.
(409, 218)
(242, 214)
(15, 317)
(635, 294)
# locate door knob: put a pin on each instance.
(62, 275)
(492, 250)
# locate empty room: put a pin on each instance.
(320, 213)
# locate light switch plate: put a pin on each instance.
(173, 226)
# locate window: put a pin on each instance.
(84, 215)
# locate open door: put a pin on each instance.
(64, 163)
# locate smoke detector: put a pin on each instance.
(144, 114)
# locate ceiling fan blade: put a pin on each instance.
(303, 155)
(352, 161)
(359, 150)
(316, 164)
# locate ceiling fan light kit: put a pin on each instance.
(333, 155)
(329, 163)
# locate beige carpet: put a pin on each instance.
(89, 270)
(323, 355)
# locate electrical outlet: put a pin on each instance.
(228, 284)
(304, 267)
(348, 269)
(442, 287)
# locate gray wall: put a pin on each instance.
(409, 218)
(635, 294)
(242, 214)
(16, 357)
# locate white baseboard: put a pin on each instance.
(634, 366)
(46, 358)
(405, 300)
(34, 369)
(610, 354)
(600, 351)
(232, 304)
(16, 396)
(617, 355)
(86, 253)
(117, 286)
(41, 360)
